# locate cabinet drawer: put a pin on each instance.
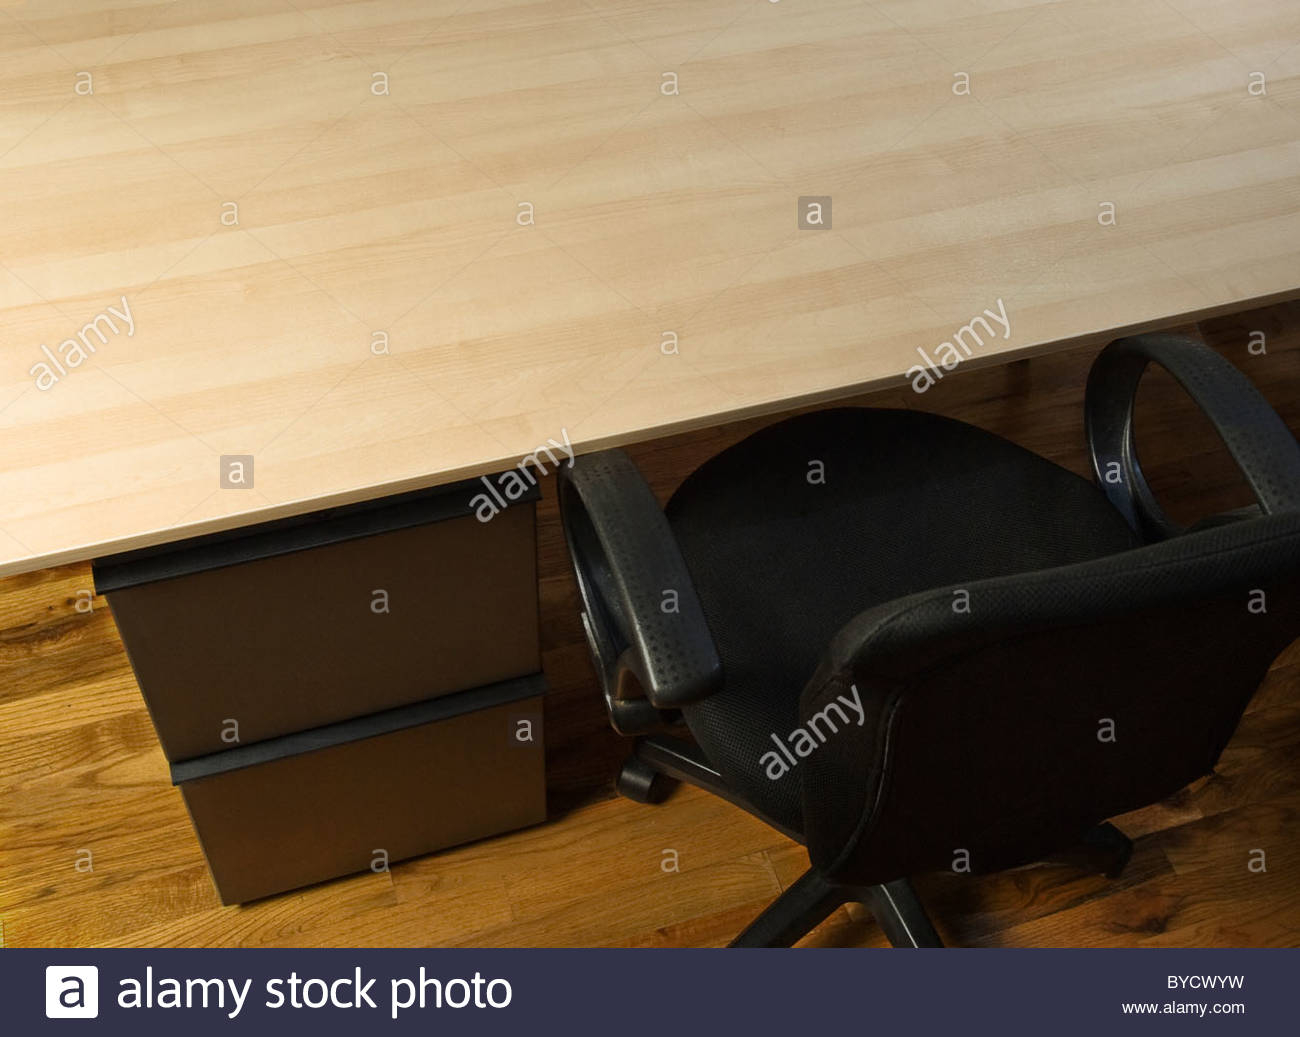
(316, 805)
(290, 626)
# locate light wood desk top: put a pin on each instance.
(383, 316)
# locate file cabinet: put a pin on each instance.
(341, 678)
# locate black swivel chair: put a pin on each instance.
(912, 645)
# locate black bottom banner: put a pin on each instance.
(631, 992)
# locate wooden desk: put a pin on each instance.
(383, 316)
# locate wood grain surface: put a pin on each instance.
(81, 771)
(379, 245)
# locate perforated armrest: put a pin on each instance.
(643, 617)
(1255, 436)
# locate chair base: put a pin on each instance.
(657, 761)
(811, 900)
(660, 759)
(1105, 850)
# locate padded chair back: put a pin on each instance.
(1002, 720)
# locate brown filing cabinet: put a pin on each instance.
(361, 793)
(362, 675)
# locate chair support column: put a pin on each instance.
(811, 899)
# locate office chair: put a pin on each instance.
(913, 645)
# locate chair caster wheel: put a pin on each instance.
(1110, 850)
(640, 782)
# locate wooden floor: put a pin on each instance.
(96, 848)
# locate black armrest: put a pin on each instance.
(627, 562)
(1257, 438)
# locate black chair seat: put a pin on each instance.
(792, 532)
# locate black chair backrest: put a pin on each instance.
(1002, 720)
